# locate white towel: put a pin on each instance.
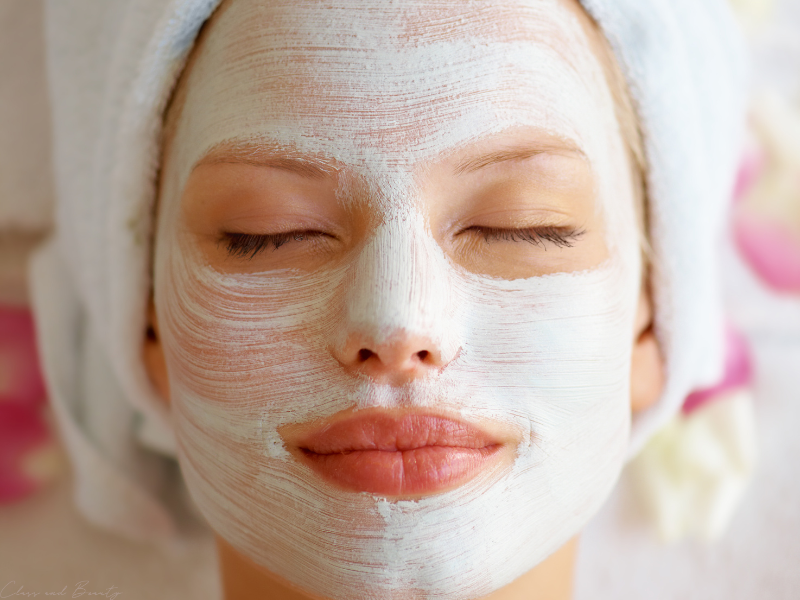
(112, 66)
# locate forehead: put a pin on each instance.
(397, 81)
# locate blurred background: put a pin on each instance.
(636, 548)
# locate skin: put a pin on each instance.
(510, 182)
(549, 580)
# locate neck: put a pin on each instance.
(243, 580)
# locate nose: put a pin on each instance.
(400, 358)
(396, 325)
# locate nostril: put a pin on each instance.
(422, 355)
(364, 354)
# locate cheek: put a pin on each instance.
(551, 354)
(249, 341)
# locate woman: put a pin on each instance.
(400, 313)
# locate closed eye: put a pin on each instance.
(560, 237)
(249, 245)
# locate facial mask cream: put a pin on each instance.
(380, 91)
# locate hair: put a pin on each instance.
(624, 109)
(630, 129)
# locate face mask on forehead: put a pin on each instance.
(378, 95)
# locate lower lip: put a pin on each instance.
(408, 469)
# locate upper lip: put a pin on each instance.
(381, 431)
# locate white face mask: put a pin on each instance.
(387, 90)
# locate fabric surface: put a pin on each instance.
(112, 66)
(620, 556)
(46, 546)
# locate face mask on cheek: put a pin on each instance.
(547, 357)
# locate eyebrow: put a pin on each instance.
(260, 155)
(519, 153)
(278, 157)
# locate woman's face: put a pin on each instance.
(397, 271)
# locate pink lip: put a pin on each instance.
(398, 455)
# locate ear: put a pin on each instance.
(153, 354)
(647, 364)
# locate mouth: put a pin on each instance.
(408, 455)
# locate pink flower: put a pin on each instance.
(29, 456)
(20, 378)
(766, 223)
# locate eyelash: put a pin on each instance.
(249, 245)
(561, 237)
